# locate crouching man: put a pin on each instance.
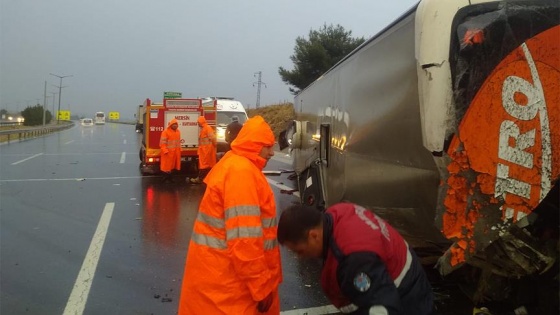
(367, 265)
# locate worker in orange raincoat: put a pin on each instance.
(206, 150)
(170, 145)
(233, 261)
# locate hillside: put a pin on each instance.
(276, 115)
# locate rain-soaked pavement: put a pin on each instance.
(55, 189)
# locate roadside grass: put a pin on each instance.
(276, 115)
(4, 138)
(12, 127)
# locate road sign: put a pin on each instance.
(114, 115)
(172, 95)
(64, 115)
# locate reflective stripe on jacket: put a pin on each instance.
(206, 145)
(170, 145)
(233, 259)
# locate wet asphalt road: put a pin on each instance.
(55, 191)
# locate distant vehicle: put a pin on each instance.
(100, 118)
(141, 112)
(227, 107)
(87, 122)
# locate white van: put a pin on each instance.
(100, 118)
(227, 107)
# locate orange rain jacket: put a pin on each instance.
(206, 145)
(170, 145)
(233, 259)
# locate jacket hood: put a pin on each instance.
(173, 121)
(201, 120)
(254, 135)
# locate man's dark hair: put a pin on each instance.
(296, 221)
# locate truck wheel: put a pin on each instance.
(142, 170)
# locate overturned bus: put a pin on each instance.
(447, 124)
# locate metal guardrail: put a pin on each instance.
(10, 123)
(18, 134)
(124, 122)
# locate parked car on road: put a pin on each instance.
(87, 122)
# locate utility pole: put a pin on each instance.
(258, 83)
(60, 91)
(45, 104)
(59, 88)
(53, 101)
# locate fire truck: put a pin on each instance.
(158, 115)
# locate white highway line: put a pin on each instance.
(29, 158)
(124, 141)
(69, 142)
(320, 310)
(78, 298)
(282, 186)
(123, 157)
(69, 179)
(90, 153)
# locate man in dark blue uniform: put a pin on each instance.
(368, 267)
(232, 130)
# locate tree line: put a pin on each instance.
(32, 115)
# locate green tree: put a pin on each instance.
(33, 115)
(48, 116)
(314, 56)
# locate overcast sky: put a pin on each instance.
(120, 52)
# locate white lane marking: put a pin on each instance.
(69, 142)
(70, 179)
(29, 158)
(71, 154)
(124, 141)
(320, 310)
(78, 298)
(282, 157)
(282, 186)
(123, 157)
